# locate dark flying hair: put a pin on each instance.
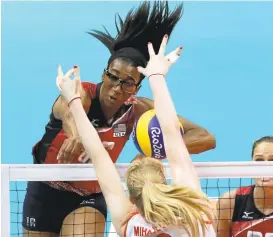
(145, 24)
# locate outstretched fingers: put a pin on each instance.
(178, 51)
(76, 71)
(59, 78)
(60, 71)
(174, 55)
(151, 50)
(69, 73)
(163, 45)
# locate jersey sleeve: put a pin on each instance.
(90, 88)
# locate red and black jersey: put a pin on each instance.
(247, 220)
(113, 136)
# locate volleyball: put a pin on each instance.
(148, 137)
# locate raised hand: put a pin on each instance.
(174, 55)
(158, 63)
(69, 88)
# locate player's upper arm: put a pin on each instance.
(225, 207)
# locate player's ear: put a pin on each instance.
(131, 200)
(138, 87)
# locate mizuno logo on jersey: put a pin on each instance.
(95, 122)
(90, 201)
(247, 215)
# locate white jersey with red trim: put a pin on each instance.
(138, 227)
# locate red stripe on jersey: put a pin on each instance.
(244, 190)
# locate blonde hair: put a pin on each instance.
(164, 205)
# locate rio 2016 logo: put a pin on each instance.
(156, 145)
(134, 132)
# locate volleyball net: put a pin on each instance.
(216, 179)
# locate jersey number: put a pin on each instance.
(258, 234)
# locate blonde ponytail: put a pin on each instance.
(164, 205)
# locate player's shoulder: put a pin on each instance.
(130, 223)
(231, 193)
(246, 190)
(227, 200)
(89, 89)
(143, 104)
(134, 217)
(144, 100)
(87, 85)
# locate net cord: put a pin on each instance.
(81, 172)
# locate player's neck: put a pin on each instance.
(109, 111)
(263, 197)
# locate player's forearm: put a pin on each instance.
(199, 140)
(163, 104)
(103, 164)
(69, 125)
(61, 111)
(96, 151)
(169, 123)
(86, 131)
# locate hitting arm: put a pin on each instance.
(196, 138)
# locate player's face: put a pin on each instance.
(120, 81)
(264, 152)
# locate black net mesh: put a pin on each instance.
(214, 188)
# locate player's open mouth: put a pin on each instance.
(112, 98)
